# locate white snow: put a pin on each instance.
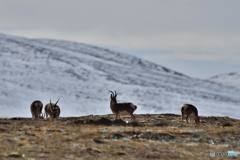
(231, 79)
(81, 75)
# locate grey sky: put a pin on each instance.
(197, 37)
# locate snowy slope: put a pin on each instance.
(81, 75)
(231, 79)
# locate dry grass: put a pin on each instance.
(154, 137)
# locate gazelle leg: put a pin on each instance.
(132, 116)
(182, 118)
(119, 116)
(187, 119)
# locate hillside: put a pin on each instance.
(81, 75)
(162, 137)
(231, 79)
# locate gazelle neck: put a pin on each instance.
(113, 102)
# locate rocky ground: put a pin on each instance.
(162, 136)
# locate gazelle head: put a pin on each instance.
(113, 96)
(53, 105)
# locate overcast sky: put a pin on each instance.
(200, 38)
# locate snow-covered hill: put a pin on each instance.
(81, 75)
(231, 79)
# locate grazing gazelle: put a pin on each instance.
(190, 110)
(117, 108)
(36, 109)
(52, 110)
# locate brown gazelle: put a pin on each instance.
(188, 111)
(117, 108)
(36, 109)
(52, 110)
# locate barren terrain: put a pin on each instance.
(100, 137)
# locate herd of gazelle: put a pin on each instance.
(52, 110)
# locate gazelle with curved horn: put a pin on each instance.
(117, 108)
(52, 110)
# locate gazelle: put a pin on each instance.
(36, 109)
(190, 110)
(52, 110)
(117, 108)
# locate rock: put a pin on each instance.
(92, 151)
(119, 122)
(15, 155)
(120, 153)
(4, 122)
(98, 141)
(20, 118)
(227, 124)
(3, 130)
(211, 142)
(117, 136)
(156, 136)
(160, 124)
(76, 122)
(134, 123)
(103, 121)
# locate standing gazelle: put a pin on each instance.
(190, 110)
(36, 109)
(52, 110)
(121, 107)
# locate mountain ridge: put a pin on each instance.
(81, 76)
